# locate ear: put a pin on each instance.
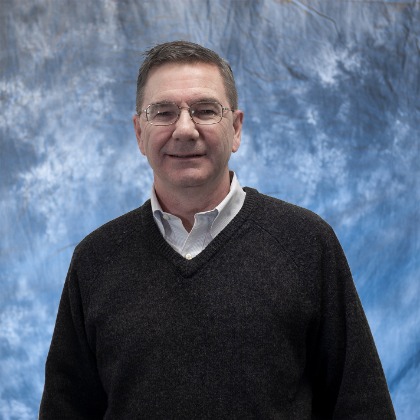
(137, 130)
(238, 118)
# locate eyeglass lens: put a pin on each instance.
(200, 112)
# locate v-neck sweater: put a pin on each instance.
(265, 323)
(207, 224)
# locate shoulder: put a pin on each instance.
(301, 233)
(298, 232)
(278, 215)
(115, 234)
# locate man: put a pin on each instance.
(209, 301)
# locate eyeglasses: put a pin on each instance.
(202, 113)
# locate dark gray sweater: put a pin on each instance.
(265, 323)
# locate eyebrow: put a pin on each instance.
(202, 99)
(207, 99)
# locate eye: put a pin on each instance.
(163, 112)
(206, 110)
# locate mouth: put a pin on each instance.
(185, 156)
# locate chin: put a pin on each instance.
(190, 179)
(188, 182)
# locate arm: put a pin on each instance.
(351, 382)
(72, 388)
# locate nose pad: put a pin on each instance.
(185, 127)
(185, 113)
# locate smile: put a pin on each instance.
(185, 156)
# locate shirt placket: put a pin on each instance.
(200, 235)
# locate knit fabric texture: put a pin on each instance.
(265, 323)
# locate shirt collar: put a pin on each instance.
(224, 212)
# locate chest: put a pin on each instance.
(251, 294)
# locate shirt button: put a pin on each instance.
(188, 256)
(166, 217)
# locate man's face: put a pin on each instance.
(185, 155)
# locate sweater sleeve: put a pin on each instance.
(72, 388)
(350, 382)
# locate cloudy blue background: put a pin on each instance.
(331, 94)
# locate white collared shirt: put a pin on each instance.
(207, 224)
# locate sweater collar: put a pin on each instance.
(188, 268)
(219, 217)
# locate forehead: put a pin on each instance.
(184, 82)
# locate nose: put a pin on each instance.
(185, 128)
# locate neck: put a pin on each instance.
(186, 202)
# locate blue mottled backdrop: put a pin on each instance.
(331, 94)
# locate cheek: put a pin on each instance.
(154, 141)
(227, 135)
(142, 146)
